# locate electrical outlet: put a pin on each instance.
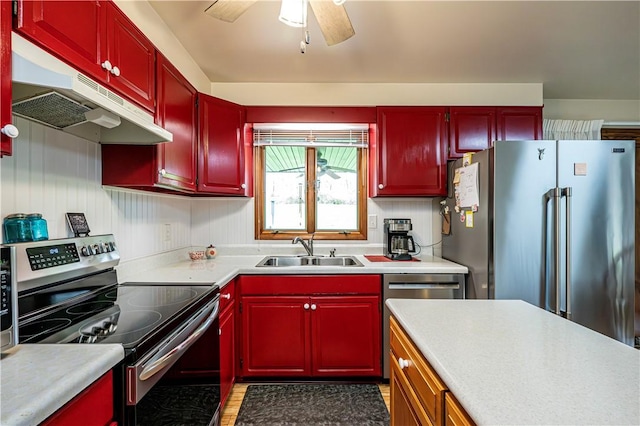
(167, 232)
(373, 221)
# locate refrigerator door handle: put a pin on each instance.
(566, 193)
(555, 194)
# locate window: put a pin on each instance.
(311, 179)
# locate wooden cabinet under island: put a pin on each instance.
(460, 362)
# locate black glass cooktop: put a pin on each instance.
(125, 314)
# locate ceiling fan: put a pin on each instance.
(331, 16)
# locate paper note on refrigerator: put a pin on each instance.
(467, 189)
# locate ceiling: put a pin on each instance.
(577, 49)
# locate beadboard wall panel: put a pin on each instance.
(53, 173)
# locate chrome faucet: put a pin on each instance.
(307, 246)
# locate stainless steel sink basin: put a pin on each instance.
(280, 261)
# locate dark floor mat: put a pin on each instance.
(313, 404)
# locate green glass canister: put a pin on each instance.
(38, 227)
(16, 228)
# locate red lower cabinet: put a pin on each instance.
(292, 329)
(227, 341)
(92, 407)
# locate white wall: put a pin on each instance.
(592, 109)
(52, 173)
(229, 222)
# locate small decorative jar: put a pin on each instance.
(16, 228)
(38, 227)
(210, 252)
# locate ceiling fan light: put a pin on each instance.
(293, 13)
(339, 2)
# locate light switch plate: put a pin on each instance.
(373, 221)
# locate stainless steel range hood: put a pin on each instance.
(49, 91)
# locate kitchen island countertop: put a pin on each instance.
(38, 379)
(509, 362)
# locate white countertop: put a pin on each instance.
(37, 380)
(509, 362)
(223, 269)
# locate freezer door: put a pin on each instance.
(600, 175)
(524, 172)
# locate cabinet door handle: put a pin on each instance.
(306, 306)
(403, 363)
(381, 186)
(226, 296)
(107, 65)
(162, 172)
(10, 130)
(115, 71)
(313, 307)
(243, 186)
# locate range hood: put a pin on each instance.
(49, 91)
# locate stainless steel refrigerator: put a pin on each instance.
(551, 223)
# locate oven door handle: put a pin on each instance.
(158, 362)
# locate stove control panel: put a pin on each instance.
(50, 256)
(50, 261)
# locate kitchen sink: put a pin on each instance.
(280, 261)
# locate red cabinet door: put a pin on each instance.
(275, 333)
(471, 129)
(132, 55)
(345, 336)
(176, 112)
(409, 156)
(227, 340)
(519, 123)
(5, 75)
(72, 30)
(92, 407)
(221, 158)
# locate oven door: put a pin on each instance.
(178, 382)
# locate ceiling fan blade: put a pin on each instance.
(332, 174)
(228, 10)
(333, 20)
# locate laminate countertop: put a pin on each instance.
(511, 363)
(223, 269)
(37, 380)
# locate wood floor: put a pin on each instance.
(230, 410)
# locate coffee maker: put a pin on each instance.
(398, 244)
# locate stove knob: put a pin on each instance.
(105, 247)
(86, 251)
(96, 249)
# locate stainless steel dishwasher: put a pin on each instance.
(415, 286)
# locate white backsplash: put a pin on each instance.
(52, 173)
(228, 222)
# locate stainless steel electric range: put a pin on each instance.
(68, 292)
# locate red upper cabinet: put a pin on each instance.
(166, 166)
(5, 79)
(96, 38)
(72, 30)
(409, 156)
(471, 129)
(176, 112)
(519, 123)
(221, 159)
(131, 59)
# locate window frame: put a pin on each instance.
(259, 198)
